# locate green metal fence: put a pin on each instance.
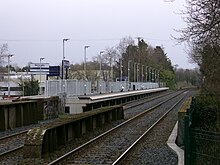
(201, 147)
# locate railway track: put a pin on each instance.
(125, 154)
(142, 101)
(11, 147)
(12, 154)
(112, 146)
(12, 142)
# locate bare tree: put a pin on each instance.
(123, 44)
(3, 51)
(203, 35)
(203, 22)
(110, 54)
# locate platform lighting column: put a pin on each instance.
(40, 73)
(121, 70)
(129, 61)
(158, 76)
(10, 55)
(146, 74)
(152, 74)
(142, 73)
(135, 72)
(129, 65)
(100, 70)
(111, 76)
(149, 74)
(63, 57)
(155, 75)
(85, 47)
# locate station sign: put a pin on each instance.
(39, 68)
(66, 63)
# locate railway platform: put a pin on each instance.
(75, 105)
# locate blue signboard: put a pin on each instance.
(54, 71)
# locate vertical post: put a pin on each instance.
(40, 75)
(63, 58)
(22, 83)
(9, 90)
(186, 141)
(158, 76)
(128, 87)
(111, 90)
(8, 76)
(150, 74)
(63, 62)
(142, 73)
(135, 72)
(122, 88)
(153, 75)
(85, 47)
(146, 74)
(100, 65)
(100, 71)
(129, 70)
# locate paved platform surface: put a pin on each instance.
(171, 143)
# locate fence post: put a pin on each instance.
(186, 139)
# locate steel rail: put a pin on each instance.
(143, 101)
(13, 135)
(125, 154)
(58, 160)
(12, 150)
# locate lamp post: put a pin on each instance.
(85, 47)
(150, 74)
(158, 76)
(40, 73)
(111, 74)
(129, 61)
(100, 66)
(10, 55)
(146, 73)
(129, 70)
(142, 73)
(153, 74)
(135, 72)
(121, 69)
(65, 39)
(100, 71)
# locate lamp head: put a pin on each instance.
(66, 39)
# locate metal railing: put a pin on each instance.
(71, 88)
(201, 147)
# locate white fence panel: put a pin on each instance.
(76, 87)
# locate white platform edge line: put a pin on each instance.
(171, 143)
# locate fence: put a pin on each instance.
(69, 87)
(201, 147)
(76, 87)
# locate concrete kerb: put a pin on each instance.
(171, 143)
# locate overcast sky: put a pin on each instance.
(35, 28)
